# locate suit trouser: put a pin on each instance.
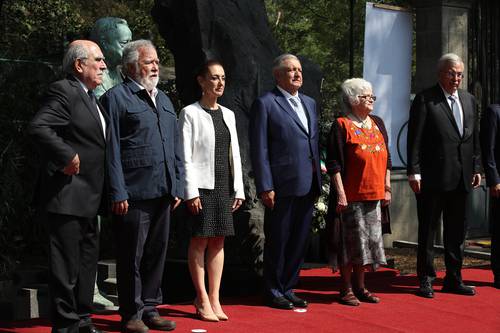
(73, 253)
(286, 229)
(142, 238)
(454, 207)
(495, 236)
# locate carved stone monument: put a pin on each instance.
(237, 34)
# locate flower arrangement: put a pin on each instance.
(321, 206)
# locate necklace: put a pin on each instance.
(364, 123)
(207, 107)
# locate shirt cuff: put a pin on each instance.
(415, 177)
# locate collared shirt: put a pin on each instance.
(101, 117)
(151, 95)
(457, 104)
(299, 108)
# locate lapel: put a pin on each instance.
(309, 112)
(90, 108)
(468, 111)
(104, 113)
(447, 110)
(285, 105)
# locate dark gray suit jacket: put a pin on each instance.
(68, 124)
(435, 148)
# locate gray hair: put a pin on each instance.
(351, 89)
(74, 52)
(278, 61)
(448, 59)
(131, 53)
(104, 25)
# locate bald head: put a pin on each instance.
(85, 61)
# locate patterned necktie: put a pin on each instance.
(456, 114)
(300, 112)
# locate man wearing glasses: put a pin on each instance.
(71, 133)
(443, 168)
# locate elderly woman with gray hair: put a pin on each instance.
(359, 163)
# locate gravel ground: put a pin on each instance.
(405, 260)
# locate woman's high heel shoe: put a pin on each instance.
(221, 316)
(202, 315)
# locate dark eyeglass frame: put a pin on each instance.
(373, 97)
(453, 74)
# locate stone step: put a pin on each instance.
(106, 269)
(113, 298)
(109, 287)
(31, 302)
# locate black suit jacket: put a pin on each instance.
(65, 125)
(490, 144)
(435, 148)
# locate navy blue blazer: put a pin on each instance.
(144, 153)
(490, 144)
(283, 153)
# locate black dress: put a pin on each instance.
(216, 218)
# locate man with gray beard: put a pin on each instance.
(145, 183)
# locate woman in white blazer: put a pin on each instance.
(214, 185)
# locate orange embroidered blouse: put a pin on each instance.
(365, 162)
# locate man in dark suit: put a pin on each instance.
(285, 160)
(443, 167)
(70, 131)
(490, 148)
(146, 181)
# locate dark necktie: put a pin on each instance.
(93, 99)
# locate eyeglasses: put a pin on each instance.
(372, 97)
(453, 74)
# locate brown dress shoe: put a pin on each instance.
(159, 323)
(135, 326)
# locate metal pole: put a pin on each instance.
(351, 39)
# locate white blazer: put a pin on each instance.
(197, 138)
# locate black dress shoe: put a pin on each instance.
(89, 329)
(460, 289)
(425, 289)
(280, 303)
(159, 323)
(296, 301)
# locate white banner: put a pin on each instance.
(387, 66)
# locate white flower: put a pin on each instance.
(320, 206)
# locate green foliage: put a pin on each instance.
(40, 29)
(34, 34)
(33, 29)
(320, 31)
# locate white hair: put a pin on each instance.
(74, 52)
(278, 61)
(131, 53)
(351, 89)
(448, 59)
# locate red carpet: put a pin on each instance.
(400, 309)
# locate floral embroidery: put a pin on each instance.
(372, 139)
